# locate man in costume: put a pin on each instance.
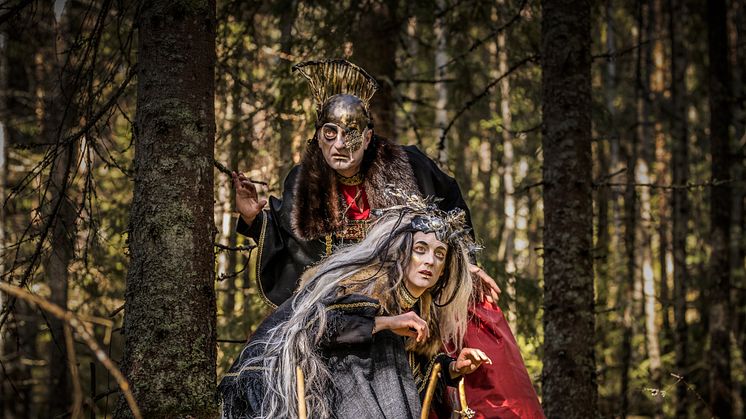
(344, 173)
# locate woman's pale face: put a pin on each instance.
(426, 264)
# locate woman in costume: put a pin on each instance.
(366, 326)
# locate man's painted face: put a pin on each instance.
(343, 149)
(426, 264)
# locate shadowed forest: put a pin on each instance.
(619, 122)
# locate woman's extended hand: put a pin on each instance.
(469, 359)
(407, 324)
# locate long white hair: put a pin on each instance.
(373, 267)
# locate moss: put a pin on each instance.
(179, 8)
(169, 112)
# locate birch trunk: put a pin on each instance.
(509, 189)
(643, 176)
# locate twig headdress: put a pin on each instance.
(327, 78)
(342, 92)
(448, 226)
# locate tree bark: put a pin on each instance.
(236, 94)
(662, 158)
(680, 199)
(441, 89)
(18, 336)
(737, 36)
(287, 128)
(626, 291)
(60, 115)
(720, 207)
(509, 188)
(632, 290)
(644, 228)
(569, 371)
(169, 327)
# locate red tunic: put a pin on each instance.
(356, 210)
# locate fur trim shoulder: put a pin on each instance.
(389, 167)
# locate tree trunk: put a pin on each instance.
(720, 207)
(569, 371)
(374, 41)
(662, 157)
(223, 219)
(3, 159)
(441, 89)
(228, 226)
(644, 228)
(491, 209)
(737, 36)
(414, 90)
(7, 403)
(626, 291)
(18, 336)
(60, 115)
(631, 294)
(171, 273)
(287, 128)
(680, 205)
(509, 189)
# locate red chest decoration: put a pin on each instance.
(356, 202)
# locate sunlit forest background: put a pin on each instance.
(461, 80)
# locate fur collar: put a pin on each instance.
(318, 207)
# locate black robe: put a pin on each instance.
(283, 256)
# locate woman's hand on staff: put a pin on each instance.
(248, 203)
(408, 324)
(469, 359)
(493, 291)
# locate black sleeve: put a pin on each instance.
(349, 321)
(280, 258)
(433, 181)
(254, 230)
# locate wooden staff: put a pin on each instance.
(465, 411)
(300, 385)
(432, 383)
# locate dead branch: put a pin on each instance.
(477, 98)
(228, 172)
(74, 322)
(688, 185)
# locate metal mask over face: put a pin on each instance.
(349, 114)
(342, 92)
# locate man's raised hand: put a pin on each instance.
(248, 203)
(492, 291)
